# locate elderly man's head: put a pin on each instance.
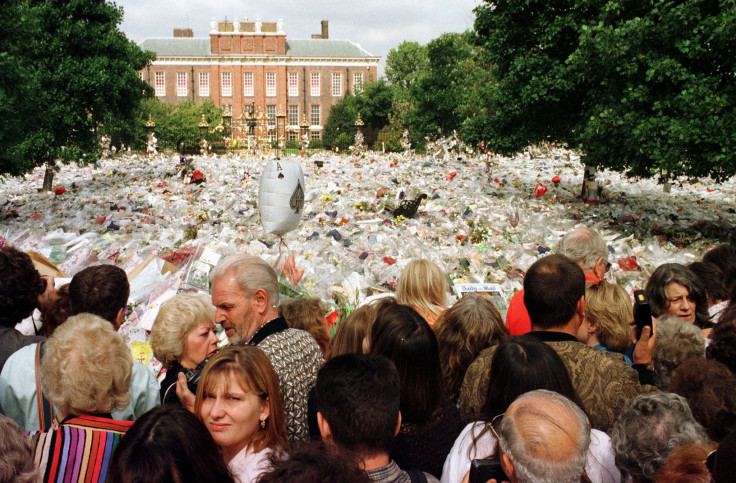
(586, 248)
(245, 292)
(544, 437)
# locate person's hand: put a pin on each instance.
(49, 295)
(186, 397)
(644, 345)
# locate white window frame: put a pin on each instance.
(204, 84)
(315, 81)
(248, 84)
(160, 83)
(293, 84)
(181, 87)
(270, 84)
(318, 116)
(271, 113)
(357, 82)
(337, 84)
(226, 83)
(293, 112)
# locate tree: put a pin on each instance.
(78, 68)
(664, 98)
(340, 121)
(536, 96)
(404, 64)
(374, 104)
(644, 87)
(440, 92)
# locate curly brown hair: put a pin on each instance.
(722, 345)
(20, 286)
(309, 315)
(710, 390)
(471, 325)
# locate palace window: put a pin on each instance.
(248, 89)
(314, 118)
(293, 115)
(271, 84)
(293, 83)
(181, 84)
(204, 84)
(357, 82)
(336, 84)
(160, 83)
(271, 113)
(227, 84)
(314, 84)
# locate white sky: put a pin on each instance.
(378, 26)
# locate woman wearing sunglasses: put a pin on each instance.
(522, 364)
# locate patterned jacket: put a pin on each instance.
(602, 379)
(296, 359)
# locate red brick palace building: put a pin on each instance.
(273, 86)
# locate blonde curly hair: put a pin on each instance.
(177, 317)
(609, 307)
(86, 368)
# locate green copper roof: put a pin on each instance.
(187, 46)
(198, 47)
(324, 48)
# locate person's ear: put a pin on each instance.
(580, 308)
(324, 426)
(592, 328)
(508, 466)
(260, 300)
(265, 409)
(599, 269)
(398, 425)
(119, 319)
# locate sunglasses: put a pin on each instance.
(710, 460)
(495, 425)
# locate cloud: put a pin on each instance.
(378, 26)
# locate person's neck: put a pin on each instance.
(570, 328)
(375, 461)
(229, 452)
(593, 341)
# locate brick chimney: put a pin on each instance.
(325, 31)
(183, 33)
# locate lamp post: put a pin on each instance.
(281, 127)
(359, 140)
(203, 126)
(304, 125)
(227, 117)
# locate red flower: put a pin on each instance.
(389, 260)
(59, 191)
(556, 180)
(539, 190)
(332, 318)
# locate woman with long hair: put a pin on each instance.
(522, 364)
(239, 401)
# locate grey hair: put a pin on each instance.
(677, 341)
(583, 246)
(546, 407)
(648, 428)
(252, 273)
(668, 273)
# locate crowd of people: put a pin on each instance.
(410, 388)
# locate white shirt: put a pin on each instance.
(600, 466)
(247, 466)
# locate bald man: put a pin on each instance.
(543, 436)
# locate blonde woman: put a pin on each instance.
(183, 338)
(85, 375)
(423, 286)
(239, 401)
(608, 311)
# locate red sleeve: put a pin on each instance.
(517, 318)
